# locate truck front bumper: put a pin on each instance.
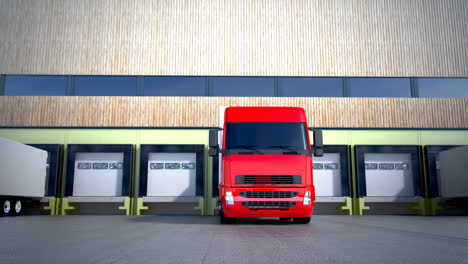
(240, 211)
(267, 207)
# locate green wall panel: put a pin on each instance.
(334, 137)
(102, 136)
(384, 137)
(35, 136)
(169, 136)
(394, 137)
(443, 137)
(187, 136)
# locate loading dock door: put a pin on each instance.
(98, 174)
(453, 179)
(388, 174)
(327, 175)
(172, 174)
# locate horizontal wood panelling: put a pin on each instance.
(235, 37)
(57, 111)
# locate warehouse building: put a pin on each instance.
(126, 92)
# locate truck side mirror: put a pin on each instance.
(213, 152)
(213, 143)
(318, 143)
(213, 139)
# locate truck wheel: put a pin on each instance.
(301, 220)
(6, 207)
(226, 220)
(18, 210)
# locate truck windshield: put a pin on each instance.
(266, 138)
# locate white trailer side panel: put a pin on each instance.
(23, 169)
(453, 177)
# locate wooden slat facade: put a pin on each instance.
(235, 37)
(76, 111)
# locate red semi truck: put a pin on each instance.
(266, 164)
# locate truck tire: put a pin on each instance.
(6, 207)
(301, 220)
(226, 220)
(18, 207)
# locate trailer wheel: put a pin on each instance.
(226, 220)
(6, 207)
(301, 220)
(18, 210)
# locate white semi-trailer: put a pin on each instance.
(23, 176)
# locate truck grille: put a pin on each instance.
(275, 204)
(268, 179)
(268, 194)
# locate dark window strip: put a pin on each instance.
(415, 85)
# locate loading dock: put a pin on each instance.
(331, 179)
(433, 166)
(171, 177)
(98, 178)
(447, 186)
(98, 174)
(389, 177)
(54, 158)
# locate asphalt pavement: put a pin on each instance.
(201, 239)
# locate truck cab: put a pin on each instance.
(266, 163)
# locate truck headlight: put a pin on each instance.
(229, 198)
(307, 198)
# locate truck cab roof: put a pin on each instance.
(264, 114)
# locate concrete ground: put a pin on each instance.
(196, 239)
